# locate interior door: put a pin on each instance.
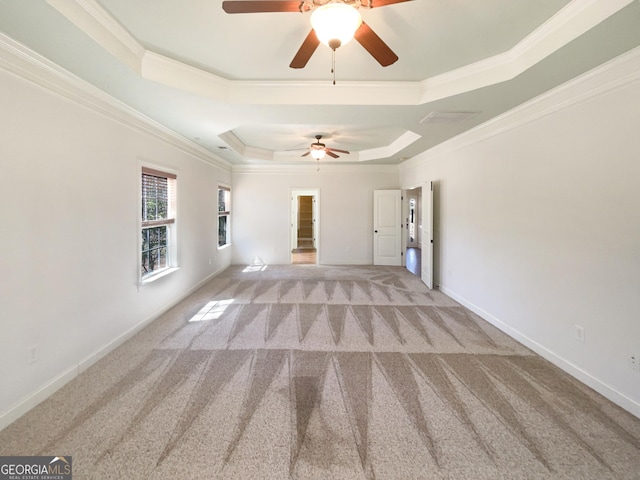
(387, 227)
(427, 235)
(314, 206)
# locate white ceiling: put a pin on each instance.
(224, 82)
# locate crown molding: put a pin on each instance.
(27, 64)
(90, 17)
(176, 74)
(315, 168)
(253, 153)
(614, 74)
(577, 17)
(400, 143)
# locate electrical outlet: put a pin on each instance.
(579, 333)
(32, 354)
(634, 361)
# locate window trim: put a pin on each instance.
(171, 223)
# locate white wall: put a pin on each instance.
(69, 208)
(261, 206)
(539, 224)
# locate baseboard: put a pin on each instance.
(585, 377)
(36, 397)
(111, 346)
(60, 380)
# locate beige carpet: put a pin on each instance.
(314, 372)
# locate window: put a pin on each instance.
(224, 215)
(158, 222)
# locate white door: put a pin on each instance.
(315, 221)
(427, 235)
(387, 227)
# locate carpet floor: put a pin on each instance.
(318, 372)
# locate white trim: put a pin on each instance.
(405, 139)
(95, 21)
(312, 167)
(615, 74)
(156, 276)
(609, 76)
(38, 396)
(585, 377)
(45, 391)
(400, 143)
(294, 193)
(28, 65)
(576, 18)
(173, 251)
(109, 347)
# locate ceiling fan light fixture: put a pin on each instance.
(317, 153)
(335, 23)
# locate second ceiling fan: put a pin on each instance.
(323, 10)
(318, 150)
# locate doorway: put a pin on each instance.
(305, 222)
(304, 226)
(413, 230)
(414, 227)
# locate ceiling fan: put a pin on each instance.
(322, 16)
(318, 150)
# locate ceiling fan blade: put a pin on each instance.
(373, 44)
(305, 154)
(331, 154)
(260, 6)
(337, 150)
(306, 50)
(380, 3)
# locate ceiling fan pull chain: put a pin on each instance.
(333, 64)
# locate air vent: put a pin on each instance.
(448, 117)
